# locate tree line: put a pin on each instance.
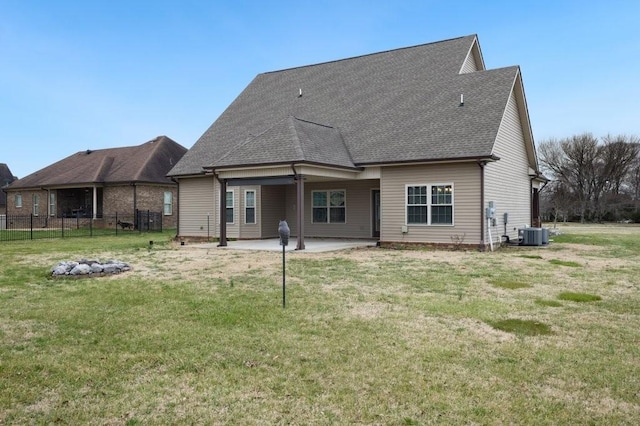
(591, 179)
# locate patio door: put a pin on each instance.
(375, 213)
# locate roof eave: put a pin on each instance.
(483, 158)
(280, 164)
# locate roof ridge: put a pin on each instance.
(105, 166)
(368, 54)
(158, 139)
(297, 144)
(257, 135)
(335, 129)
(312, 122)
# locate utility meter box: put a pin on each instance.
(491, 210)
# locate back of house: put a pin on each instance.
(407, 146)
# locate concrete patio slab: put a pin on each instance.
(312, 245)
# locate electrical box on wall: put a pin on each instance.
(491, 210)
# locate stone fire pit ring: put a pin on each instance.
(89, 268)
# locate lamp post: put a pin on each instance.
(284, 232)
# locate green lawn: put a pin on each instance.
(199, 336)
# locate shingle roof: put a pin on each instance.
(6, 177)
(396, 106)
(292, 140)
(148, 163)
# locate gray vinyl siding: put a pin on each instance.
(200, 210)
(465, 178)
(507, 181)
(199, 196)
(470, 64)
(358, 210)
(248, 230)
(233, 228)
(196, 201)
(272, 211)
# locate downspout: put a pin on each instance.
(174, 180)
(48, 201)
(538, 190)
(135, 205)
(482, 244)
(135, 196)
(531, 200)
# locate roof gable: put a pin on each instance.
(291, 140)
(473, 61)
(6, 177)
(148, 162)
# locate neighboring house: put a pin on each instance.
(405, 146)
(6, 177)
(102, 183)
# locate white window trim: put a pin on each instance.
(52, 204)
(18, 197)
(429, 204)
(232, 206)
(328, 191)
(36, 204)
(255, 209)
(170, 203)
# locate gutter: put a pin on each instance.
(485, 159)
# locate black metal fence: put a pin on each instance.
(30, 227)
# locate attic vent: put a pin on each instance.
(300, 92)
(461, 99)
(89, 151)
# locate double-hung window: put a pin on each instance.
(18, 200)
(230, 206)
(417, 205)
(250, 207)
(168, 203)
(36, 204)
(52, 204)
(429, 204)
(442, 204)
(329, 206)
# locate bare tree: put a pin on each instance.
(557, 201)
(617, 155)
(572, 162)
(591, 172)
(633, 179)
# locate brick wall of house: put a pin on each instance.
(27, 203)
(120, 200)
(115, 199)
(152, 198)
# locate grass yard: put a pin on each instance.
(369, 336)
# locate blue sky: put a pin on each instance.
(78, 75)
